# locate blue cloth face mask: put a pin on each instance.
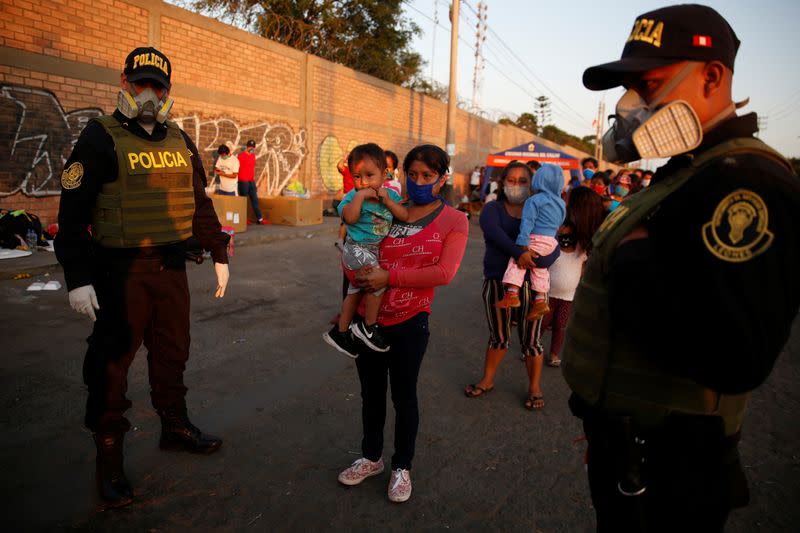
(421, 194)
(588, 173)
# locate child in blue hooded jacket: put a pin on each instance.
(542, 215)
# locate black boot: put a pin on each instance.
(112, 484)
(177, 433)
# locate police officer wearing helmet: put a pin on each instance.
(136, 179)
(709, 253)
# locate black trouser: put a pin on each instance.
(248, 189)
(691, 471)
(139, 302)
(408, 341)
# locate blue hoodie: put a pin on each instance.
(544, 212)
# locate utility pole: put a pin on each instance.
(451, 97)
(762, 125)
(598, 141)
(480, 37)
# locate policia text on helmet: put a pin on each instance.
(708, 252)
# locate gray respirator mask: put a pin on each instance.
(647, 131)
(517, 194)
(146, 107)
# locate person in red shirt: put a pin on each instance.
(247, 178)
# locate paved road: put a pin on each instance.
(289, 410)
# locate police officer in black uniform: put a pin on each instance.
(706, 257)
(133, 192)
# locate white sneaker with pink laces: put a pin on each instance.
(400, 485)
(360, 470)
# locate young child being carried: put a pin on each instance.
(367, 211)
(542, 215)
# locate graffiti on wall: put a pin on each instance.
(36, 138)
(279, 149)
(330, 153)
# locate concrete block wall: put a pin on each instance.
(60, 62)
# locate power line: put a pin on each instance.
(526, 66)
(499, 70)
(788, 101)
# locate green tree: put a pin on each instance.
(428, 87)
(557, 135)
(371, 36)
(528, 122)
(542, 110)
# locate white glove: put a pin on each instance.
(84, 300)
(223, 274)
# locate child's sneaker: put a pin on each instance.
(510, 299)
(341, 341)
(399, 485)
(360, 470)
(538, 310)
(371, 335)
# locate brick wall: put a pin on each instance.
(60, 62)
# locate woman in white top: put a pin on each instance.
(585, 213)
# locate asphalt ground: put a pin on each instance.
(288, 408)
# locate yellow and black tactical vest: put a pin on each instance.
(151, 202)
(604, 367)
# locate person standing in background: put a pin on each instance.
(247, 178)
(227, 168)
(392, 182)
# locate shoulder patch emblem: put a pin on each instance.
(738, 230)
(72, 176)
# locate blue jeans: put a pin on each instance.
(248, 188)
(225, 193)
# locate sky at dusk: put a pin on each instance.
(535, 47)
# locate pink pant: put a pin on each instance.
(540, 277)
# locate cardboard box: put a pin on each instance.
(231, 211)
(290, 211)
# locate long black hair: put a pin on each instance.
(586, 212)
(501, 195)
(393, 156)
(434, 158)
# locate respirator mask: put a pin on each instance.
(516, 194)
(146, 106)
(647, 131)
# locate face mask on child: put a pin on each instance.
(599, 189)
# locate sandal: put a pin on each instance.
(534, 403)
(555, 362)
(474, 391)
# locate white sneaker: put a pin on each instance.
(400, 485)
(360, 470)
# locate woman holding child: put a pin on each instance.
(419, 253)
(501, 221)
